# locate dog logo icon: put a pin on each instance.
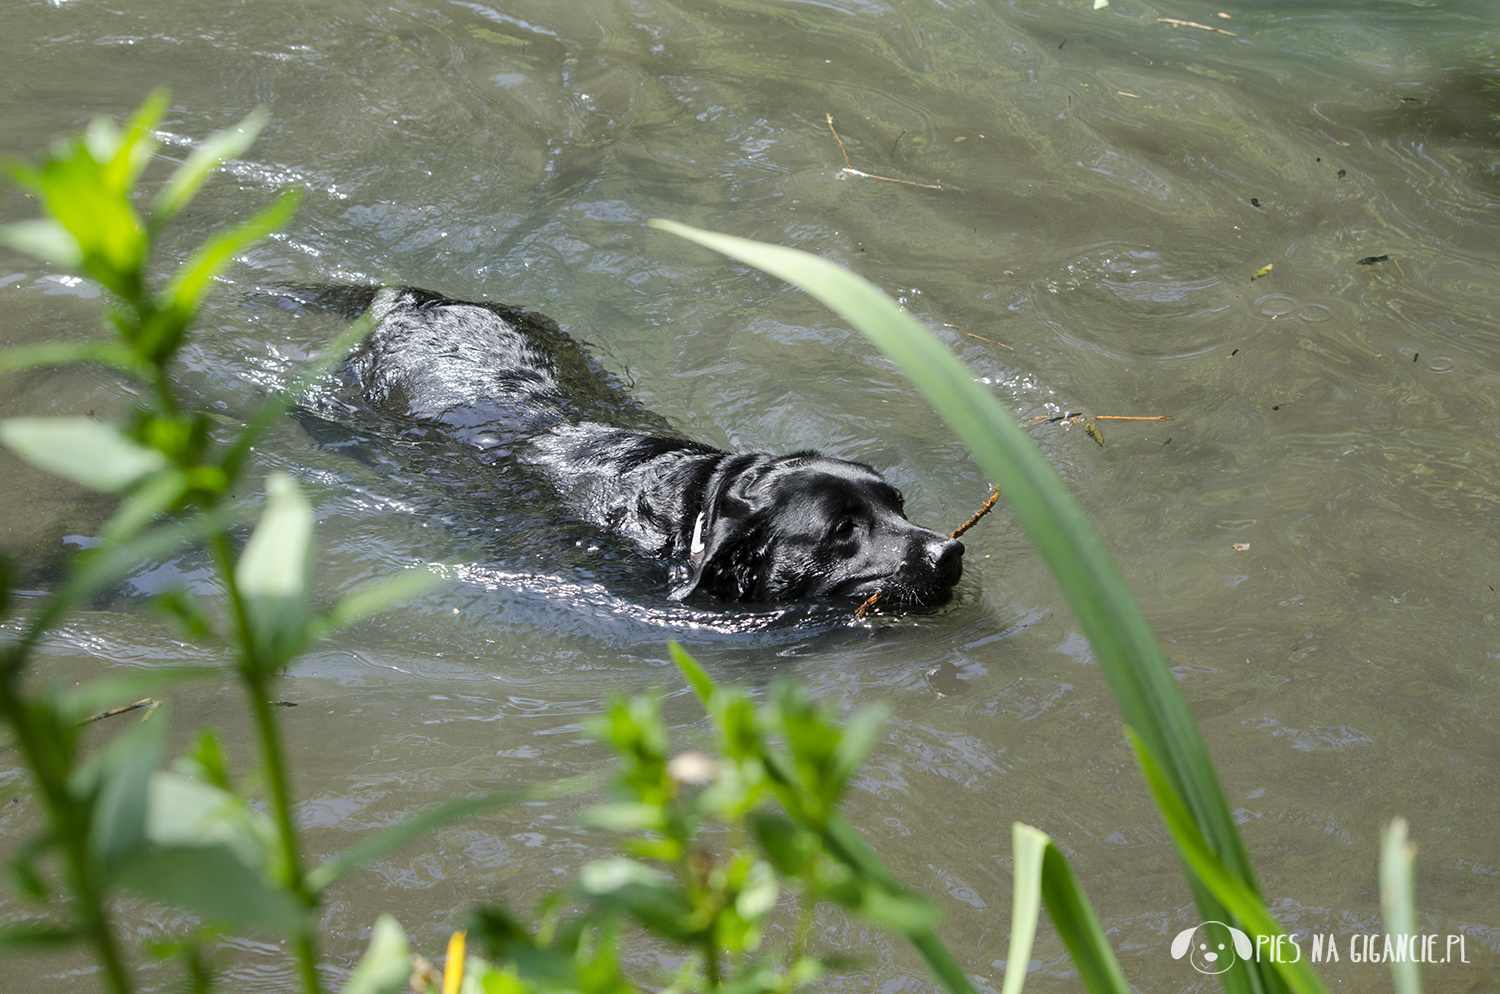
(1214, 946)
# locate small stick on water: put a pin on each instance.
(989, 505)
(145, 702)
(990, 340)
(849, 166)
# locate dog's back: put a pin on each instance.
(490, 373)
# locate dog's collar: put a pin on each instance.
(697, 548)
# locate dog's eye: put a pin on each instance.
(844, 527)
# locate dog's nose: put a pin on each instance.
(947, 558)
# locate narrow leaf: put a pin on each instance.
(396, 836)
(272, 572)
(207, 157)
(154, 497)
(386, 965)
(211, 881)
(273, 409)
(378, 596)
(185, 812)
(44, 239)
(860, 736)
(111, 354)
(1078, 926)
(1232, 893)
(844, 842)
(82, 449)
(702, 683)
(626, 816)
(214, 256)
(14, 937)
(1029, 845)
(1398, 900)
(118, 824)
(787, 846)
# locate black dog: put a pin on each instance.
(746, 526)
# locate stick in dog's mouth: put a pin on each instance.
(989, 505)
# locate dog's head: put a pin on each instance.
(805, 525)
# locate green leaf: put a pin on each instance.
(276, 406)
(118, 822)
(180, 608)
(185, 812)
(844, 843)
(207, 757)
(859, 737)
(702, 683)
(1398, 900)
(82, 449)
(155, 496)
(902, 913)
(192, 279)
(23, 869)
(623, 885)
(378, 596)
(1041, 872)
(111, 354)
(101, 571)
(211, 881)
(16, 937)
(1244, 903)
(786, 845)
(273, 570)
(1030, 847)
(44, 239)
(396, 836)
(626, 816)
(207, 157)
(141, 146)
(386, 965)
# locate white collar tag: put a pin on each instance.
(697, 548)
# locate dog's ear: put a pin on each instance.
(721, 549)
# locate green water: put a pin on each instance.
(1313, 535)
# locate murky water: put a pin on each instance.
(1109, 184)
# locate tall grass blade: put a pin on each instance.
(207, 157)
(1143, 686)
(1397, 899)
(1042, 874)
(1231, 892)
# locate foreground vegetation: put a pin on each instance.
(709, 845)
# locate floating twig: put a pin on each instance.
(990, 340)
(146, 702)
(1194, 24)
(849, 166)
(989, 505)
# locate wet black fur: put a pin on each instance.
(745, 526)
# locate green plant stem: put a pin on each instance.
(254, 674)
(806, 914)
(71, 826)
